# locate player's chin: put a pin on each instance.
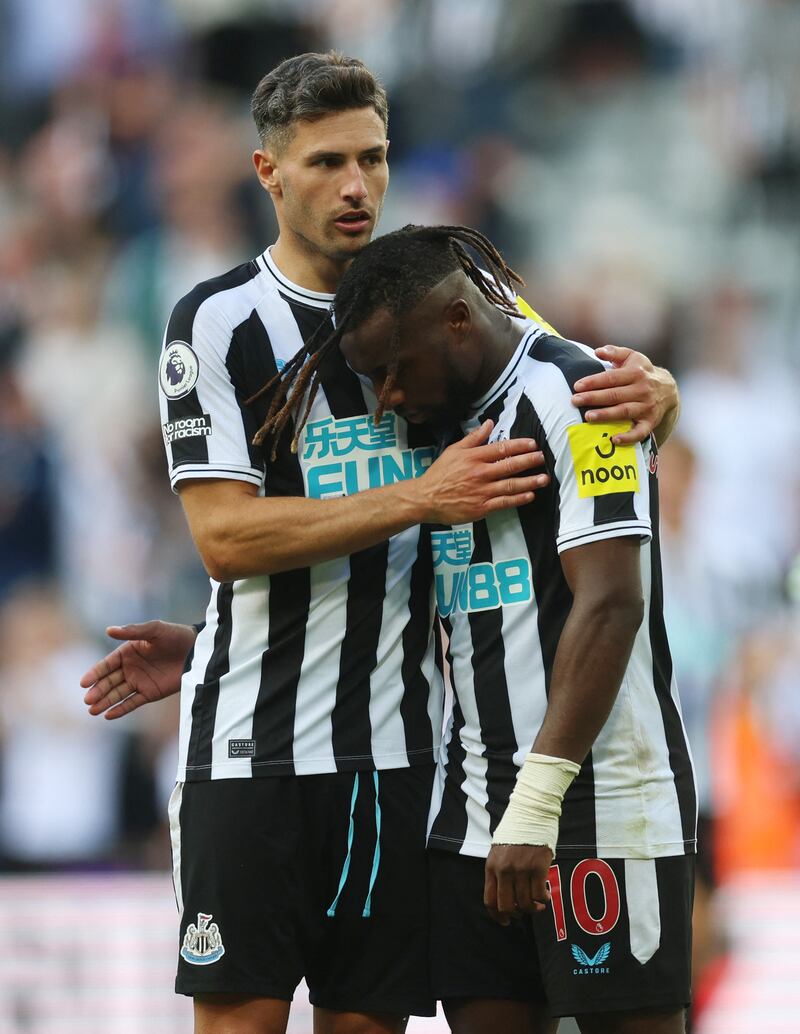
(355, 238)
(343, 251)
(351, 244)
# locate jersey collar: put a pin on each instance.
(318, 299)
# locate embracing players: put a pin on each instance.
(311, 709)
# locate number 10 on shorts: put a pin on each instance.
(585, 870)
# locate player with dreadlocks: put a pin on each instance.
(579, 797)
(299, 380)
(311, 707)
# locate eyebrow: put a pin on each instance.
(316, 155)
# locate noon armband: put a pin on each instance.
(534, 807)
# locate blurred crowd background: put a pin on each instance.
(638, 162)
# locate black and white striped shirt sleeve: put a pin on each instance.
(603, 489)
(206, 427)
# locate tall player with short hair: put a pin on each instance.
(566, 761)
(310, 712)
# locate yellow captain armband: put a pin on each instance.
(526, 310)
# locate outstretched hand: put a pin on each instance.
(147, 667)
(473, 477)
(633, 389)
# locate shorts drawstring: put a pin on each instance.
(376, 854)
(346, 866)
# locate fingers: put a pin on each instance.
(90, 677)
(145, 630)
(102, 685)
(508, 448)
(125, 706)
(110, 699)
(626, 359)
(616, 404)
(640, 430)
(506, 897)
(503, 460)
(515, 492)
(476, 437)
(490, 899)
(605, 379)
(613, 412)
(110, 663)
(519, 892)
(618, 355)
(107, 691)
(505, 449)
(609, 393)
(113, 661)
(641, 423)
(511, 466)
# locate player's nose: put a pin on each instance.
(354, 188)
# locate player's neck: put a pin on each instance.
(307, 267)
(497, 339)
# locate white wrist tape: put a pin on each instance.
(534, 807)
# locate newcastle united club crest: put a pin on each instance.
(202, 944)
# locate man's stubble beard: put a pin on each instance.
(333, 253)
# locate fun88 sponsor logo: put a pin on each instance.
(466, 587)
(349, 455)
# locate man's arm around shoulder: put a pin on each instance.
(240, 534)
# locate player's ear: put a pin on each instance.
(459, 318)
(267, 171)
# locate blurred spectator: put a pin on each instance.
(700, 643)
(745, 505)
(198, 165)
(84, 379)
(59, 781)
(756, 757)
(26, 484)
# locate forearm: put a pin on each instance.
(268, 535)
(589, 666)
(240, 535)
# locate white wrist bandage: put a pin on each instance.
(534, 807)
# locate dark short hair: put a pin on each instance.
(308, 86)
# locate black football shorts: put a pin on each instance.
(316, 876)
(616, 936)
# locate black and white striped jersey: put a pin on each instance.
(504, 600)
(320, 669)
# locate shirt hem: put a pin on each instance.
(671, 849)
(232, 473)
(234, 769)
(604, 531)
